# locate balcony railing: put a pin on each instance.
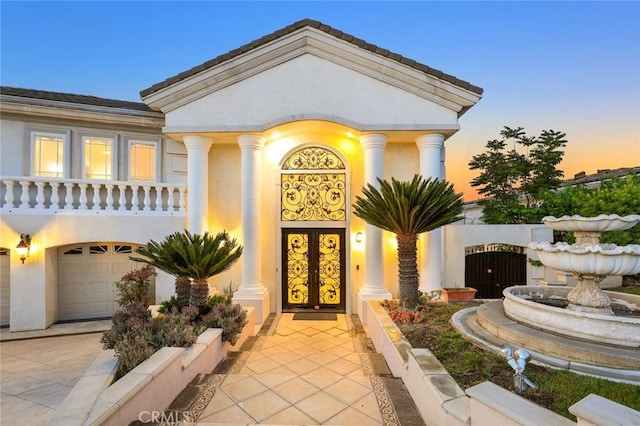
(21, 194)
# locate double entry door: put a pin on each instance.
(313, 269)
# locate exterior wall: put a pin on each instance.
(457, 237)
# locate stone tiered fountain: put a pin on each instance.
(589, 314)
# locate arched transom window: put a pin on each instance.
(313, 182)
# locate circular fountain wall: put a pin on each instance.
(520, 305)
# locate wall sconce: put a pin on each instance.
(359, 237)
(24, 246)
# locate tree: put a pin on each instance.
(408, 209)
(512, 181)
(197, 256)
(619, 196)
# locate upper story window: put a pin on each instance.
(98, 158)
(48, 154)
(143, 160)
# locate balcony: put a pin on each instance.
(77, 196)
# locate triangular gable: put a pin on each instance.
(304, 37)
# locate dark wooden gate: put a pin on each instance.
(491, 272)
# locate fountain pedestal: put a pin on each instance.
(588, 297)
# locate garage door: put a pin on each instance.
(87, 274)
(4, 286)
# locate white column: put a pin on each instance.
(251, 291)
(431, 149)
(374, 288)
(197, 181)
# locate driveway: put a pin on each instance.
(38, 374)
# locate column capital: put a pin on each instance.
(250, 142)
(197, 142)
(373, 140)
(430, 140)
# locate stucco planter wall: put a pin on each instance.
(442, 402)
(151, 386)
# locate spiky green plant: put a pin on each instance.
(196, 256)
(164, 256)
(408, 209)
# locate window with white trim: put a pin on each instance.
(97, 158)
(142, 160)
(48, 154)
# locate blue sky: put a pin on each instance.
(569, 66)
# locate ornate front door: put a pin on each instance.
(313, 269)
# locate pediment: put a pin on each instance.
(289, 66)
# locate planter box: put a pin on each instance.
(465, 294)
(148, 388)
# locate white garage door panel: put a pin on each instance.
(86, 279)
(4, 287)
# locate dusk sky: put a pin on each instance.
(567, 66)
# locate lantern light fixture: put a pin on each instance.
(359, 237)
(24, 247)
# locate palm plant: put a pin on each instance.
(164, 256)
(205, 256)
(408, 209)
(198, 257)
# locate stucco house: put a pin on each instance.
(271, 142)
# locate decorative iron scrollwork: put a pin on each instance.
(298, 268)
(313, 158)
(307, 197)
(329, 269)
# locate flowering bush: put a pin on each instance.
(134, 286)
(230, 318)
(135, 335)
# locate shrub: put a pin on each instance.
(135, 335)
(134, 286)
(231, 318)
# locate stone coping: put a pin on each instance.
(151, 386)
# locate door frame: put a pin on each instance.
(313, 234)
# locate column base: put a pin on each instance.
(258, 300)
(363, 296)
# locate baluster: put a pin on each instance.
(55, 197)
(122, 199)
(161, 204)
(24, 198)
(83, 197)
(147, 198)
(9, 195)
(109, 205)
(136, 193)
(181, 199)
(39, 195)
(68, 198)
(96, 196)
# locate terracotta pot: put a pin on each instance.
(465, 294)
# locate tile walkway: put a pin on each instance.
(299, 373)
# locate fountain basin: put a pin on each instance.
(590, 259)
(601, 223)
(519, 305)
